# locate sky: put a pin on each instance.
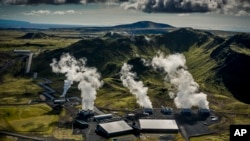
(233, 15)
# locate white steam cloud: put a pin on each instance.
(77, 71)
(187, 90)
(135, 87)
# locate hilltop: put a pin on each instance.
(144, 24)
(35, 35)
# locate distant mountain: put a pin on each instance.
(13, 24)
(25, 24)
(144, 24)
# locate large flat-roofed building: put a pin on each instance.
(158, 126)
(114, 128)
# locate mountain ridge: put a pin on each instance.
(16, 24)
(24, 24)
(144, 24)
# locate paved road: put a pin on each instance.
(184, 134)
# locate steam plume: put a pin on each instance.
(187, 90)
(135, 87)
(67, 85)
(77, 71)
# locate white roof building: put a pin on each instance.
(158, 125)
(114, 128)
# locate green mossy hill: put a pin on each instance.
(36, 35)
(181, 40)
(233, 57)
(11, 64)
(212, 60)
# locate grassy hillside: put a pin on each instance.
(30, 40)
(209, 59)
(219, 65)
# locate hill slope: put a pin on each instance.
(35, 35)
(212, 60)
(233, 57)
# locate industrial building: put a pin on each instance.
(148, 110)
(80, 124)
(166, 110)
(84, 115)
(158, 126)
(114, 128)
(60, 101)
(204, 112)
(186, 111)
(102, 117)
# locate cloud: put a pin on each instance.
(18, 2)
(48, 12)
(24, 2)
(64, 12)
(38, 12)
(183, 14)
(231, 7)
(188, 6)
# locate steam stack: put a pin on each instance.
(85, 114)
(204, 112)
(186, 111)
(148, 110)
(166, 110)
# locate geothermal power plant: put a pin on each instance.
(183, 119)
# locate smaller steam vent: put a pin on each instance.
(166, 110)
(85, 114)
(186, 111)
(148, 110)
(204, 112)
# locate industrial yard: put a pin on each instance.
(161, 122)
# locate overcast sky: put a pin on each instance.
(204, 14)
